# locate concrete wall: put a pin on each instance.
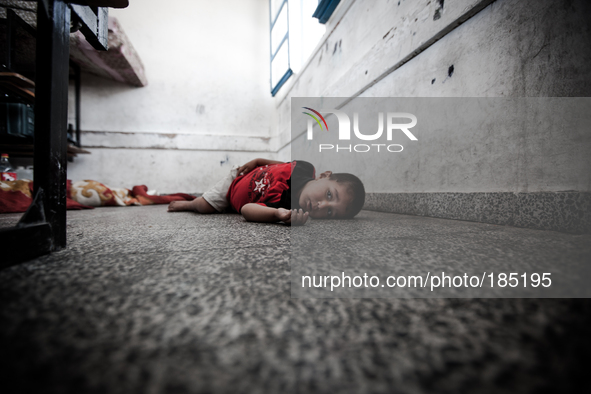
(502, 48)
(207, 106)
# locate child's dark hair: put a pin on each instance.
(356, 190)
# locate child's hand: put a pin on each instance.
(248, 167)
(295, 217)
(298, 217)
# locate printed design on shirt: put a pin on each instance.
(260, 183)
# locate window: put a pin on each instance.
(294, 35)
(280, 67)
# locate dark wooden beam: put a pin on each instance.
(51, 113)
(103, 27)
(94, 25)
(25, 243)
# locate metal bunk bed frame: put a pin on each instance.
(42, 228)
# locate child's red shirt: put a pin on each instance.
(270, 185)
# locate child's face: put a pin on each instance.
(324, 198)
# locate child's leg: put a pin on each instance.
(214, 200)
(198, 205)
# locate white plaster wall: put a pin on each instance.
(207, 65)
(163, 170)
(208, 104)
(512, 48)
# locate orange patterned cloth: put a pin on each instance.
(96, 194)
(16, 196)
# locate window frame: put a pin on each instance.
(285, 41)
(325, 9)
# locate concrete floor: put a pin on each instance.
(145, 301)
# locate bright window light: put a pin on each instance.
(294, 36)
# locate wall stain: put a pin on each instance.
(544, 45)
(450, 72)
(225, 161)
(337, 45)
(439, 10)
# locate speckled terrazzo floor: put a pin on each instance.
(143, 301)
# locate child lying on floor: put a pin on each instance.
(261, 190)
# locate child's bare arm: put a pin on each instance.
(251, 165)
(258, 213)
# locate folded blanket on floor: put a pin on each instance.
(16, 196)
